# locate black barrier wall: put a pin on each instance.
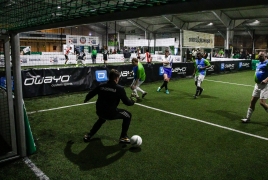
(40, 82)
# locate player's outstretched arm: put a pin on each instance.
(91, 94)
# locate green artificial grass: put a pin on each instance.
(183, 137)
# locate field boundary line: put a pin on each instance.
(167, 112)
(198, 120)
(229, 83)
(62, 107)
(35, 169)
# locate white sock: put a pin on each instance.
(139, 89)
(249, 113)
(136, 93)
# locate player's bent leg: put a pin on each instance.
(263, 104)
(94, 129)
(126, 116)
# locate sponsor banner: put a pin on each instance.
(135, 42)
(82, 40)
(244, 65)
(198, 39)
(39, 82)
(101, 75)
(25, 50)
(49, 59)
(3, 82)
(146, 42)
(212, 69)
(53, 81)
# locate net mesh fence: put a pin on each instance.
(18, 14)
(5, 133)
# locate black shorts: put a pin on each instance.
(66, 57)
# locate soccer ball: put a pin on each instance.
(135, 141)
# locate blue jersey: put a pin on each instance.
(261, 72)
(200, 64)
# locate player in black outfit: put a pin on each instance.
(109, 96)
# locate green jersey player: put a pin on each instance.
(200, 66)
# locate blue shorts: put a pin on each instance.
(168, 72)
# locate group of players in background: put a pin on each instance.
(110, 93)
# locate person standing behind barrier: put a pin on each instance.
(148, 57)
(260, 90)
(94, 55)
(105, 55)
(167, 67)
(199, 74)
(127, 56)
(109, 96)
(138, 54)
(81, 57)
(68, 50)
(139, 78)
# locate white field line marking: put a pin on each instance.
(186, 117)
(198, 120)
(35, 169)
(229, 83)
(60, 107)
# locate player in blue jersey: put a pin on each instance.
(261, 88)
(200, 66)
(167, 67)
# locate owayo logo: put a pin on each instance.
(101, 75)
(37, 80)
(179, 70)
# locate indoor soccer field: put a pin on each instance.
(183, 137)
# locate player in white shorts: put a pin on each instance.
(261, 88)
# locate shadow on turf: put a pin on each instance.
(228, 114)
(190, 95)
(96, 155)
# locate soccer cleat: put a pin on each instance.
(133, 95)
(124, 140)
(158, 89)
(200, 92)
(245, 120)
(87, 137)
(167, 92)
(144, 94)
(195, 97)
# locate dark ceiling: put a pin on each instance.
(155, 16)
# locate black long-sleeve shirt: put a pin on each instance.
(109, 96)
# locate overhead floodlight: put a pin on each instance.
(59, 7)
(210, 24)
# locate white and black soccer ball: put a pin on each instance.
(135, 141)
